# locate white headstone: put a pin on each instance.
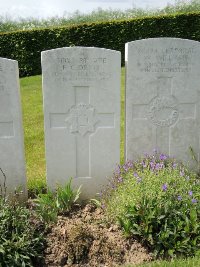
(163, 97)
(81, 88)
(12, 161)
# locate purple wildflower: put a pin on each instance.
(157, 166)
(174, 165)
(179, 198)
(128, 165)
(144, 164)
(182, 173)
(125, 167)
(135, 174)
(152, 165)
(163, 157)
(118, 170)
(120, 179)
(194, 200)
(190, 193)
(164, 187)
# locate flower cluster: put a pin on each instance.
(189, 193)
(140, 172)
(154, 197)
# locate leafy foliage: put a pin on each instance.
(46, 206)
(21, 240)
(26, 46)
(21, 233)
(157, 200)
(65, 197)
(8, 24)
(50, 204)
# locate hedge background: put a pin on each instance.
(26, 46)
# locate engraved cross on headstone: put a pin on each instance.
(82, 120)
(163, 111)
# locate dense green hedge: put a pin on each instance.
(26, 46)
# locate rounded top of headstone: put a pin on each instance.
(7, 66)
(79, 59)
(162, 39)
(8, 61)
(160, 42)
(79, 49)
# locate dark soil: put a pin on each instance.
(85, 239)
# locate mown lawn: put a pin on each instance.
(190, 262)
(33, 121)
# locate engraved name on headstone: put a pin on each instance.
(12, 161)
(163, 97)
(81, 89)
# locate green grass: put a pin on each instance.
(32, 108)
(190, 262)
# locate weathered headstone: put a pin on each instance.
(81, 88)
(163, 97)
(12, 161)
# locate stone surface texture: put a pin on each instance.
(12, 160)
(163, 97)
(81, 89)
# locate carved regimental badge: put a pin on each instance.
(82, 119)
(163, 111)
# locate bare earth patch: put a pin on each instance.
(84, 239)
